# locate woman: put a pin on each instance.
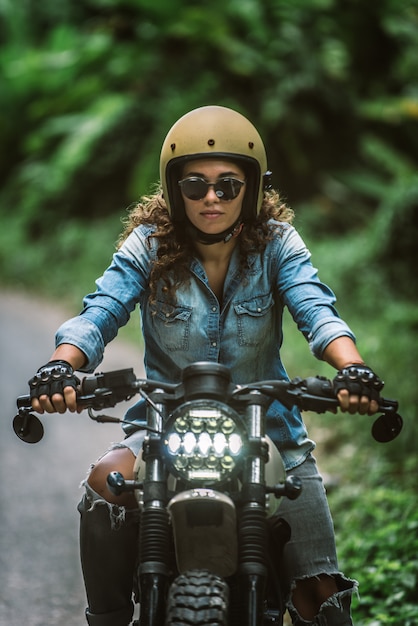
(212, 260)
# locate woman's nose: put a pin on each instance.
(211, 195)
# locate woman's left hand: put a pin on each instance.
(358, 389)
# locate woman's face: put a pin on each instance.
(213, 213)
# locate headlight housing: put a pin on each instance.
(204, 442)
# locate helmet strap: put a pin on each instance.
(208, 239)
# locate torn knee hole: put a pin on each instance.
(118, 513)
(118, 459)
(315, 590)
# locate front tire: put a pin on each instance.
(198, 598)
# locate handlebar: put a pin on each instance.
(105, 390)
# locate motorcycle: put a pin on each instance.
(208, 482)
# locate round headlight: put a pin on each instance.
(204, 441)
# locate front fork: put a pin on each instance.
(154, 530)
(252, 530)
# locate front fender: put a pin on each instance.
(205, 531)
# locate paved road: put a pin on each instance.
(40, 577)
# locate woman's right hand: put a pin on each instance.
(53, 388)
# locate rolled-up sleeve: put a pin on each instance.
(326, 330)
(86, 336)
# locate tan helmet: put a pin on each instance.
(219, 132)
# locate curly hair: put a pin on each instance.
(175, 249)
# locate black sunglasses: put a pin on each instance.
(196, 188)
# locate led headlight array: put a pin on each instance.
(204, 441)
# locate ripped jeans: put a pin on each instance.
(109, 535)
(310, 553)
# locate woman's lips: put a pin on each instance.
(211, 214)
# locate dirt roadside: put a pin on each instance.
(40, 576)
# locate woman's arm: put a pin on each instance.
(341, 352)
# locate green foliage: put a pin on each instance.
(378, 541)
(88, 90)
(302, 70)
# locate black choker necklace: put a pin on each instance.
(207, 238)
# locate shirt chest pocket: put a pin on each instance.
(254, 318)
(172, 326)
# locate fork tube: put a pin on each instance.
(154, 531)
(252, 525)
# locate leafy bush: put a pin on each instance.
(377, 532)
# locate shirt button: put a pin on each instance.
(214, 309)
(214, 344)
(258, 310)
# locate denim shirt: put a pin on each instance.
(244, 332)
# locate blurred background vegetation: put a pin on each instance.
(88, 90)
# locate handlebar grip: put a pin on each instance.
(23, 402)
